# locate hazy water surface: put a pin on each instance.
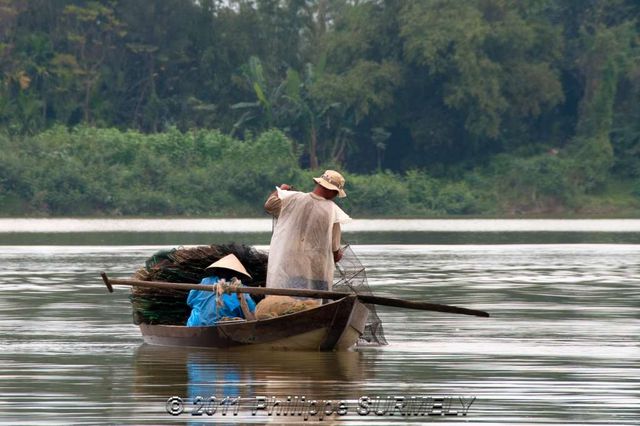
(359, 231)
(67, 225)
(561, 346)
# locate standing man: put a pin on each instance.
(306, 239)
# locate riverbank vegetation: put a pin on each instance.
(88, 171)
(443, 107)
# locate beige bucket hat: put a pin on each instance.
(231, 262)
(332, 180)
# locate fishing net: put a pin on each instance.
(187, 265)
(352, 278)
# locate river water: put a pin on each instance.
(561, 346)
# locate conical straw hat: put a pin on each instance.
(230, 261)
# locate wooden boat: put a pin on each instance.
(336, 325)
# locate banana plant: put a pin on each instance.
(308, 112)
(265, 106)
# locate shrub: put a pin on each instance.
(456, 198)
(534, 182)
(636, 188)
(592, 162)
(252, 168)
(381, 193)
(423, 189)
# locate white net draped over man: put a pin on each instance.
(306, 239)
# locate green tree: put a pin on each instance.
(607, 55)
(91, 31)
(492, 60)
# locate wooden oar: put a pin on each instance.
(316, 294)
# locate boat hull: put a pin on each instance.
(332, 326)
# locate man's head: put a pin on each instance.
(228, 267)
(330, 185)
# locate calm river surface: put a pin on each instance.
(561, 346)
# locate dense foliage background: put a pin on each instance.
(430, 106)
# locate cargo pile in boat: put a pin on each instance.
(186, 265)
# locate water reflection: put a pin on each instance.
(160, 372)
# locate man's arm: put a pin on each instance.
(335, 242)
(242, 298)
(248, 315)
(273, 205)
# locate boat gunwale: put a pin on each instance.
(227, 324)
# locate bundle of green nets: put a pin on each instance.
(186, 265)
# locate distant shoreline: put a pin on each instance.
(264, 225)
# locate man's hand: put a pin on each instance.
(285, 187)
(337, 255)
